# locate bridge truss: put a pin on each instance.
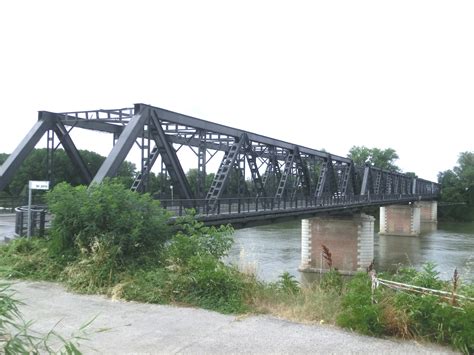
(280, 172)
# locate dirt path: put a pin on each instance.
(144, 328)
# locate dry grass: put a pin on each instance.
(310, 305)
(397, 321)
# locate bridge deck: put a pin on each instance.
(243, 211)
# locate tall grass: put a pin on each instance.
(17, 337)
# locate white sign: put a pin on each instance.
(39, 185)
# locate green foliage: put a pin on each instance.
(358, 312)
(332, 280)
(381, 158)
(198, 274)
(35, 167)
(192, 176)
(196, 239)
(29, 258)
(288, 284)
(95, 270)
(107, 214)
(457, 185)
(151, 286)
(409, 314)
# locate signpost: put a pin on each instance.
(34, 185)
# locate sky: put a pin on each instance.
(323, 74)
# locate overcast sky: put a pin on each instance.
(329, 74)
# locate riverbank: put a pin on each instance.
(129, 327)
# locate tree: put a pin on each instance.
(34, 167)
(192, 176)
(457, 185)
(381, 158)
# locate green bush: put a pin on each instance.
(288, 284)
(410, 314)
(197, 274)
(108, 213)
(151, 286)
(332, 280)
(358, 312)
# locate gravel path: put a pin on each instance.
(129, 327)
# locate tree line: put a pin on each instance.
(457, 184)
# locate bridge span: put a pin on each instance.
(257, 178)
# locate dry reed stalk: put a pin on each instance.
(327, 255)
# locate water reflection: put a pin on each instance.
(276, 248)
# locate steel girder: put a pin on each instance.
(117, 155)
(290, 168)
(168, 154)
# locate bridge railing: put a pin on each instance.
(232, 205)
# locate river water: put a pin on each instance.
(273, 249)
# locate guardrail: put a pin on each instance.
(228, 206)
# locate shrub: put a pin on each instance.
(135, 224)
(332, 280)
(358, 312)
(288, 284)
(197, 274)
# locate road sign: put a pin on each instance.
(39, 185)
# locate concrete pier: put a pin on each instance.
(350, 240)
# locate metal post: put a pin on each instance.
(29, 211)
(172, 196)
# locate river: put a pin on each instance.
(272, 249)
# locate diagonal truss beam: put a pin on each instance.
(13, 162)
(72, 151)
(117, 155)
(171, 160)
(222, 176)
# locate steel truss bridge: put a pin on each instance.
(257, 178)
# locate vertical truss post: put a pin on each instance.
(148, 159)
(272, 171)
(239, 167)
(303, 179)
(50, 155)
(252, 162)
(378, 182)
(202, 159)
(163, 178)
(366, 181)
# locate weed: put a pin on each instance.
(16, 336)
(288, 284)
(358, 312)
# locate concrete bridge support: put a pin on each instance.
(401, 220)
(428, 216)
(350, 240)
(408, 220)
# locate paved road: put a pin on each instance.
(145, 328)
